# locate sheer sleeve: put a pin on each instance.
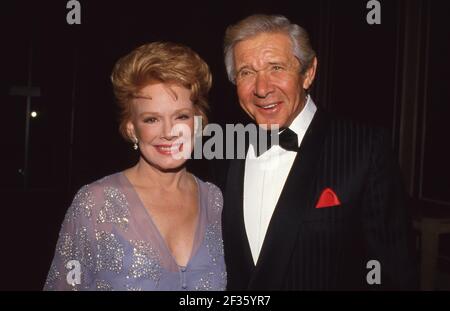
(73, 265)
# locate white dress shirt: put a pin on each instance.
(264, 180)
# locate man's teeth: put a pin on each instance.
(269, 106)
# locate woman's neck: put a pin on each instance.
(147, 176)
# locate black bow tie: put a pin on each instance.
(287, 140)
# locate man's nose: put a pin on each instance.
(263, 86)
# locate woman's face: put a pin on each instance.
(163, 122)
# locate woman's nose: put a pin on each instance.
(169, 131)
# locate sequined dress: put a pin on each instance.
(108, 241)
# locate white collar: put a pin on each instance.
(299, 125)
(302, 121)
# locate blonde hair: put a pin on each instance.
(164, 62)
(260, 23)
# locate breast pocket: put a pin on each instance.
(327, 224)
(334, 213)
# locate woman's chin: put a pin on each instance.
(165, 163)
(169, 165)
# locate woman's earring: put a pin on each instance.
(135, 146)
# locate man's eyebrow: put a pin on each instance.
(281, 62)
(243, 67)
(278, 63)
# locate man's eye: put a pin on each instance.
(277, 68)
(244, 73)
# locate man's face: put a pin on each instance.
(269, 84)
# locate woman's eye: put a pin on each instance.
(183, 117)
(150, 120)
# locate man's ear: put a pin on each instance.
(310, 74)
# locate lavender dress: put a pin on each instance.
(109, 232)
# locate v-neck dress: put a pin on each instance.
(108, 241)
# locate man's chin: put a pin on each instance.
(269, 125)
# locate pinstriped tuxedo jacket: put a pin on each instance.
(307, 248)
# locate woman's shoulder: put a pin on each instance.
(91, 197)
(211, 194)
(99, 185)
(208, 186)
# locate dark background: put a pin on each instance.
(395, 75)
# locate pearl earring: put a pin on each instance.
(135, 146)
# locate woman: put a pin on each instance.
(153, 226)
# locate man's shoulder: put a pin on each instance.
(342, 127)
(348, 134)
(344, 123)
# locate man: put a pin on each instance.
(323, 210)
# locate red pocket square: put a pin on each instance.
(328, 198)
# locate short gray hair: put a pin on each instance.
(260, 23)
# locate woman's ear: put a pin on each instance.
(131, 131)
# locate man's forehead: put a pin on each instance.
(264, 46)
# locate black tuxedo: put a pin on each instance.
(308, 248)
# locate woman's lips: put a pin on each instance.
(169, 149)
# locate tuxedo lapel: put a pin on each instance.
(282, 232)
(238, 255)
